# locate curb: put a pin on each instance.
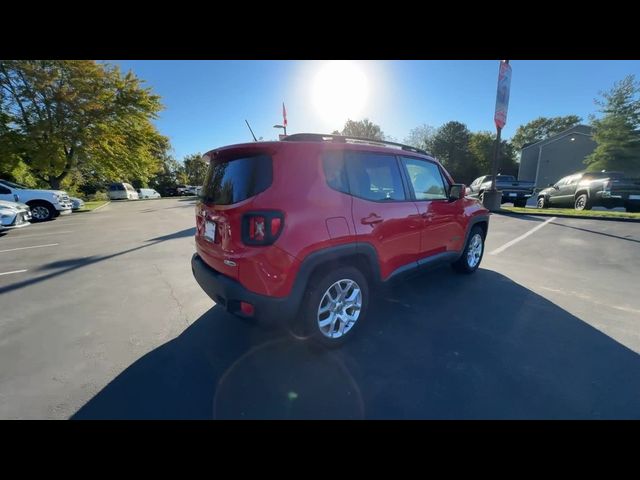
(101, 206)
(560, 215)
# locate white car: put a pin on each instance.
(122, 191)
(148, 193)
(77, 203)
(44, 204)
(14, 215)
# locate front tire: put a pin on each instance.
(335, 305)
(520, 203)
(542, 202)
(42, 211)
(471, 257)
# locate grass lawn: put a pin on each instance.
(569, 212)
(88, 206)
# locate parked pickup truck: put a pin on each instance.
(593, 189)
(512, 190)
(45, 204)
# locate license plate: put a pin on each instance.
(634, 197)
(513, 194)
(210, 231)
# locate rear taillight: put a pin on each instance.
(262, 228)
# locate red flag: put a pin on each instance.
(284, 115)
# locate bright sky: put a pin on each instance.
(207, 102)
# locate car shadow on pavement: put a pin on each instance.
(610, 235)
(439, 346)
(65, 266)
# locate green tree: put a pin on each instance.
(195, 168)
(450, 145)
(421, 137)
(171, 174)
(542, 128)
(362, 128)
(79, 117)
(617, 132)
(482, 147)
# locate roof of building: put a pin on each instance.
(584, 129)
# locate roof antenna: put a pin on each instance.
(254, 137)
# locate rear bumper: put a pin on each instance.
(507, 197)
(228, 293)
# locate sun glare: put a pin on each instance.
(339, 92)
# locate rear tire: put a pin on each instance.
(633, 209)
(473, 252)
(520, 203)
(582, 202)
(334, 305)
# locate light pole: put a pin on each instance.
(283, 127)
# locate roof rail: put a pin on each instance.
(320, 137)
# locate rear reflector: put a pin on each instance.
(247, 309)
(276, 223)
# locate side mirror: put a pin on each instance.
(457, 191)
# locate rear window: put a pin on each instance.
(236, 180)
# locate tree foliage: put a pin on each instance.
(450, 145)
(542, 128)
(80, 117)
(482, 147)
(195, 169)
(171, 174)
(362, 128)
(421, 137)
(617, 132)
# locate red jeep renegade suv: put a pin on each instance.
(305, 228)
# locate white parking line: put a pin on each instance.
(9, 273)
(25, 248)
(15, 237)
(521, 237)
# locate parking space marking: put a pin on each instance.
(9, 273)
(521, 237)
(38, 235)
(25, 248)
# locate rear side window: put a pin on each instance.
(237, 179)
(335, 172)
(374, 177)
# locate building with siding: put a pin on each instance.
(547, 161)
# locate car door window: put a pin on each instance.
(4, 190)
(573, 180)
(425, 179)
(374, 177)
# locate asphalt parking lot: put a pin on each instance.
(100, 318)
